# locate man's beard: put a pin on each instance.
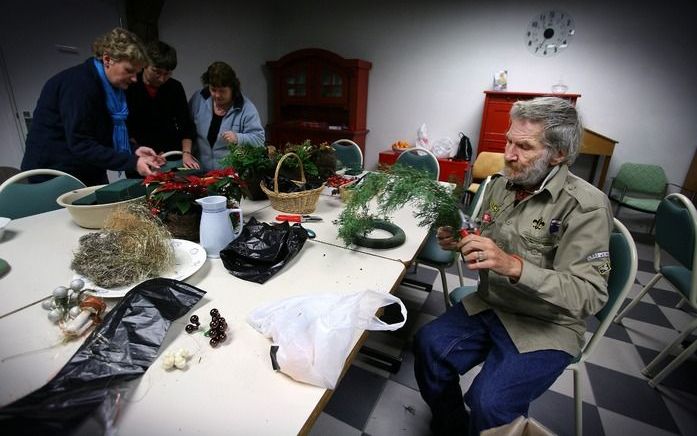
(533, 174)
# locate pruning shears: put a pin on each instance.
(469, 226)
(298, 218)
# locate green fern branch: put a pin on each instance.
(435, 205)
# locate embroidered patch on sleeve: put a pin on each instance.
(603, 268)
(598, 255)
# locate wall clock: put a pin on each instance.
(549, 32)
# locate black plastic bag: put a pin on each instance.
(464, 149)
(262, 249)
(120, 349)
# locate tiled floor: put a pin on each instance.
(617, 398)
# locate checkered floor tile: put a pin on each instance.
(617, 399)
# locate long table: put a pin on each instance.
(330, 207)
(229, 389)
(39, 250)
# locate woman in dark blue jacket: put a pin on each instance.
(79, 124)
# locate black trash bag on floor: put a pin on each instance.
(120, 349)
(262, 249)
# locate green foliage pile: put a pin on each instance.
(250, 161)
(435, 204)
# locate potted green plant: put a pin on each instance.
(252, 163)
(172, 197)
(319, 160)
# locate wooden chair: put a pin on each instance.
(486, 164)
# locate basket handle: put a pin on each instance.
(278, 168)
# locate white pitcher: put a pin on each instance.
(216, 227)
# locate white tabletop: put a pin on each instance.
(330, 207)
(39, 250)
(231, 389)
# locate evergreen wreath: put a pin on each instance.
(435, 204)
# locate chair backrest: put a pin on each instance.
(172, 163)
(486, 164)
(348, 153)
(644, 179)
(18, 200)
(676, 233)
(623, 261)
(7, 172)
(476, 204)
(421, 159)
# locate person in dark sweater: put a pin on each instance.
(79, 121)
(158, 112)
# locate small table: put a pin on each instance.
(450, 170)
(595, 144)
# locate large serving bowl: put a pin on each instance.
(89, 216)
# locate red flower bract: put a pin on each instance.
(172, 192)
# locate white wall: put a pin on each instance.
(29, 33)
(431, 60)
(235, 32)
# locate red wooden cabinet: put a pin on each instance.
(453, 171)
(320, 96)
(495, 119)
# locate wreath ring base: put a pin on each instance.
(398, 237)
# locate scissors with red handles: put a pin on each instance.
(298, 218)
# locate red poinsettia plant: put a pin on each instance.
(176, 192)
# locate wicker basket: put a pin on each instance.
(346, 191)
(292, 202)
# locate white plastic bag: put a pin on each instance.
(422, 138)
(444, 147)
(314, 332)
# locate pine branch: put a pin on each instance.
(435, 204)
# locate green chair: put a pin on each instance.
(676, 234)
(348, 153)
(640, 187)
(475, 205)
(420, 158)
(174, 163)
(623, 259)
(431, 254)
(18, 200)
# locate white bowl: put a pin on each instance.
(89, 216)
(3, 223)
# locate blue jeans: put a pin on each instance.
(454, 343)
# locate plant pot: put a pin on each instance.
(184, 226)
(253, 190)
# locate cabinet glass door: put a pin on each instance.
(332, 85)
(296, 85)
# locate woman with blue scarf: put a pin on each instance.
(79, 124)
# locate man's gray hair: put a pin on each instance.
(561, 122)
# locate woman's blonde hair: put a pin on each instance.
(120, 44)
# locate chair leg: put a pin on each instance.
(650, 368)
(578, 400)
(638, 298)
(653, 224)
(444, 281)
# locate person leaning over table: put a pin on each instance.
(79, 124)
(222, 116)
(158, 113)
(543, 265)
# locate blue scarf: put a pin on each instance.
(118, 108)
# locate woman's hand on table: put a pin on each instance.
(189, 161)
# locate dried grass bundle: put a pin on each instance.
(132, 246)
